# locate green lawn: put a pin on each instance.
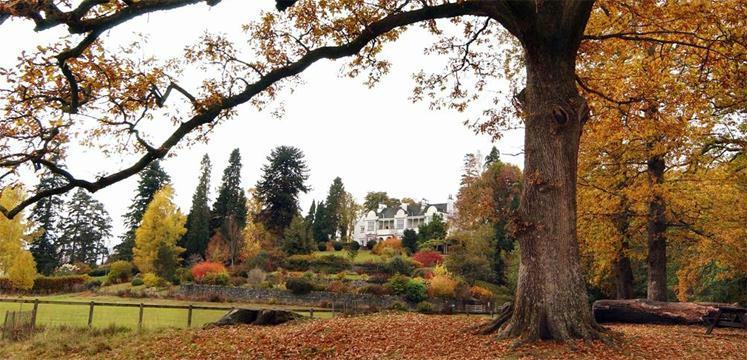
(363, 256)
(104, 316)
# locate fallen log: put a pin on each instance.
(652, 312)
(255, 317)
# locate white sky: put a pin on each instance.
(374, 139)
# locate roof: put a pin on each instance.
(412, 210)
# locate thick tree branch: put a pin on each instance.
(210, 113)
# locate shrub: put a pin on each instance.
(393, 243)
(82, 268)
(371, 244)
(66, 269)
(200, 270)
(184, 275)
(5, 284)
(153, 280)
(428, 258)
(99, 271)
(355, 246)
(299, 285)
(237, 280)
(424, 307)
(119, 271)
(481, 293)
(425, 273)
(54, 284)
(398, 306)
(256, 276)
(137, 281)
(327, 264)
(266, 260)
(93, 284)
(373, 290)
(397, 284)
(415, 291)
(221, 278)
(337, 245)
(321, 246)
(399, 265)
(338, 287)
(442, 286)
(378, 278)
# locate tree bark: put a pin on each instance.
(656, 260)
(551, 301)
(622, 267)
(651, 312)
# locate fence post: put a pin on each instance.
(189, 316)
(33, 315)
(90, 315)
(140, 319)
(333, 308)
(311, 313)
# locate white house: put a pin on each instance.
(393, 221)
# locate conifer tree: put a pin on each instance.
(335, 198)
(45, 214)
(320, 225)
(492, 157)
(231, 199)
(283, 178)
(296, 239)
(84, 230)
(198, 221)
(152, 179)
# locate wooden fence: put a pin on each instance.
(91, 305)
(141, 307)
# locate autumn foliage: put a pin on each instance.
(428, 258)
(391, 246)
(199, 270)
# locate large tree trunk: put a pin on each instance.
(551, 299)
(622, 268)
(656, 228)
(651, 312)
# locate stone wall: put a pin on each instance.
(276, 296)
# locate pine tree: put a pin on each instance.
(334, 202)
(45, 215)
(162, 225)
(320, 225)
(84, 230)
(309, 220)
(198, 221)
(152, 179)
(296, 239)
(283, 178)
(231, 199)
(494, 156)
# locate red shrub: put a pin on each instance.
(428, 258)
(199, 270)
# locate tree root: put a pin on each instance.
(504, 315)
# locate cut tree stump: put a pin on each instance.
(652, 312)
(255, 317)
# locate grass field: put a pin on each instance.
(105, 316)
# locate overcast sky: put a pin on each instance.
(374, 139)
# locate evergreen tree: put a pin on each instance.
(231, 199)
(198, 221)
(410, 240)
(283, 178)
(319, 228)
(45, 215)
(493, 156)
(309, 220)
(335, 198)
(84, 230)
(152, 179)
(434, 229)
(296, 239)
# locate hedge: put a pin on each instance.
(50, 284)
(327, 264)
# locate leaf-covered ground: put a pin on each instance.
(415, 336)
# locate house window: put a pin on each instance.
(371, 225)
(400, 224)
(363, 228)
